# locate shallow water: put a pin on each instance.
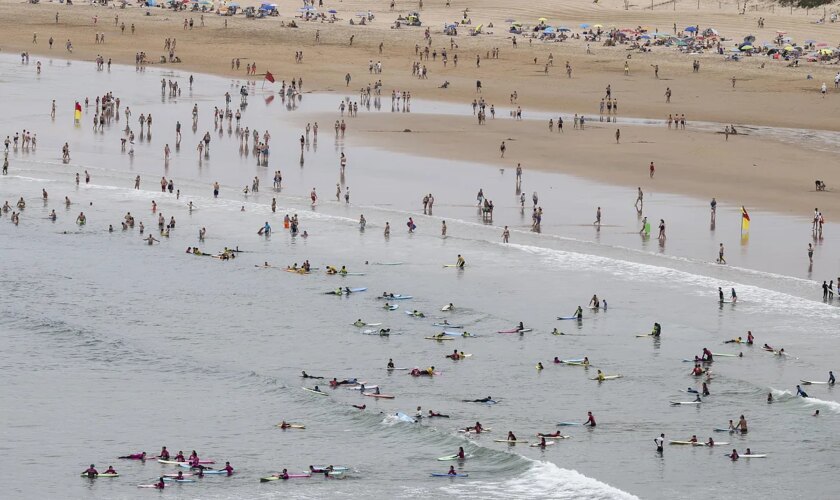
(112, 346)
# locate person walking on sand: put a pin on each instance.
(617, 135)
(652, 170)
(668, 94)
(721, 260)
(503, 148)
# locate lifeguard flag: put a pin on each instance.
(745, 220)
(78, 112)
(269, 76)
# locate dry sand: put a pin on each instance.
(744, 170)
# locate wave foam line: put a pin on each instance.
(541, 480)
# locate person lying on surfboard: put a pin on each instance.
(306, 375)
(135, 456)
(434, 414)
(483, 400)
(553, 434)
(284, 425)
(360, 407)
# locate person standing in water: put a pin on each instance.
(721, 260)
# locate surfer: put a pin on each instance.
(539, 365)
(228, 469)
(90, 471)
(707, 355)
(306, 375)
(460, 263)
(520, 327)
(659, 441)
(164, 454)
(360, 407)
(511, 436)
(452, 471)
(110, 471)
(733, 341)
(135, 456)
(750, 338)
(733, 296)
(557, 360)
(594, 303)
(742, 425)
(830, 378)
(657, 330)
(578, 313)
(711, 442)
(542, 443)
(705, 391)
(553, 434)
(720, 295)
(482, 400)
(769, 397)
(800, 392)
(600, 377)
(160, 484)
(180, 456)
(733, 455)
(461, 454)
(591, 420)
(477, 428)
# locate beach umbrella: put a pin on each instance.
(645, 37)
(690, 29)
(822, 44)
(749, 39)
(597, 25)
(548, 30)
(826, 52)
(746, 47)
(332, 11)
(810, 41)
(788, 47)
(584, 25)
(563, 28)
(542, 19)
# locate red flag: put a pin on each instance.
(269, 76)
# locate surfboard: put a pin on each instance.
(447, 307)
(677, 403)
(395, 369)
(450, 475)
(607, 377)
(417, 315)
(540, 445)
(510, 441)
(84, 474)
(553, 437)
(689, 443)
(724, 355)
(447, 325)
(313, 391)
(439, 338)
(293, 426)
(453, 457)
(380, 396)
(564, 318)
(812, 382)
(277, 477)
(561, 424)
(392, 307)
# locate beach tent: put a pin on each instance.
(332, 11)
(549, 30)
(151, 3)
(563, 28)
(690, 29)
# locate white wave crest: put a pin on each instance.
(542, 480)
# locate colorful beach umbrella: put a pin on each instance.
(690, 29)
(597, 25)
(563, 28)
(332, 11)
(542, 19)
(584, 25)
(746, 47)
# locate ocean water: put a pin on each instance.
(113, 347)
